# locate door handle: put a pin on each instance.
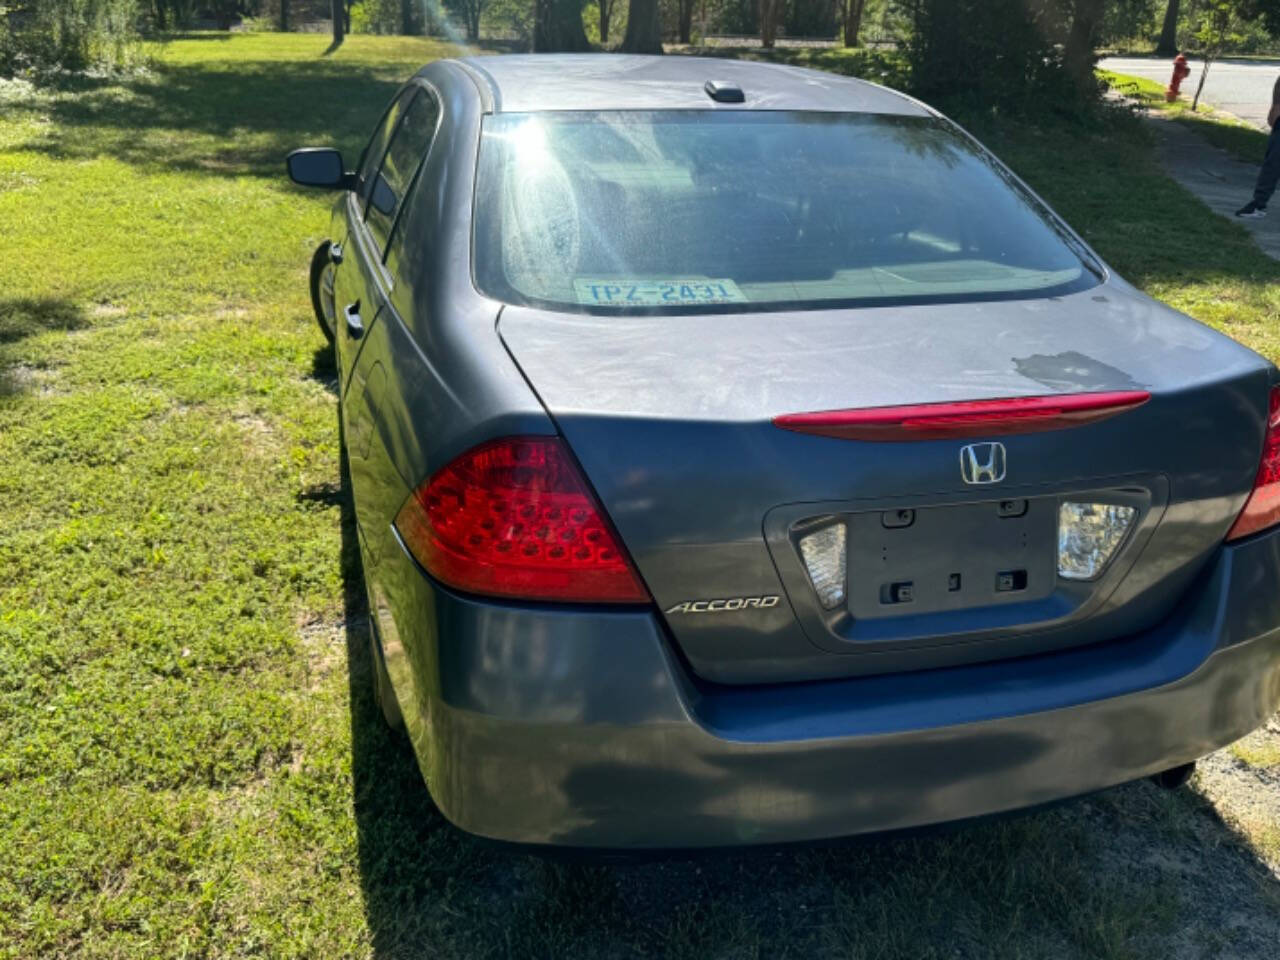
(355, 326)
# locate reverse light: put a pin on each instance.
(515, 518)
(1262, 509)
(1088, 536)
(823, 552)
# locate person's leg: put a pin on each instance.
(1269, 175)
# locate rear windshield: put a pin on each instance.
(680, 211)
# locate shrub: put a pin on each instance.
(69, 34)
(376, 16)
(1004, 55)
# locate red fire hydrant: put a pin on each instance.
(1180, 72)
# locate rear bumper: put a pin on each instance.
(565, 727)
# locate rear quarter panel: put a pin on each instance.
(438, 381)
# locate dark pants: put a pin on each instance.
(1269, 175)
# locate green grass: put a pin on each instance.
(192, 764)
(1242, 140)
(1260, 751)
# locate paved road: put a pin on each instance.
(1242, 87)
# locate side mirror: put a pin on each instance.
(318, 167)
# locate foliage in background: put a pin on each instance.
(69, 34)
(469, 13)
(1126, 19)
(592, 21)
(1136, 25)
(999, 54)
(509, 19)
(375, 16)
(192, 764)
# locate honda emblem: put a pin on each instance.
(982, 463)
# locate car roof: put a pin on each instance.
(520, 83)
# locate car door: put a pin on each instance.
(356, 262)
(375, 483)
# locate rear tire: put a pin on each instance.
(322, 290)
(1174, 778)
(383, 695)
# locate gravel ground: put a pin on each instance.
(1243, 784)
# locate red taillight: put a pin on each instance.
(514, 518)
(1262, 509)
(966, 418)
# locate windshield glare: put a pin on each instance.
(674, 211)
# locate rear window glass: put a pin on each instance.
(678, 211)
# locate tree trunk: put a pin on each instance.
(685, 25)
(339, 28)
(557, 26)
(644, 29)
(768, 22)
(1086, 21)
(160, 20)
(406, 18)
(605, 7)
(1168, 44)
(473, 22)
(284, 16)
(853, 21)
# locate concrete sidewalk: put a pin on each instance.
(1216, 177)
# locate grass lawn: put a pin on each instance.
(1242, 140)
(192, 764)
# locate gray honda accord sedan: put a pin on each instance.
(743, 454)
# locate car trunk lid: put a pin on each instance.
(672, 419)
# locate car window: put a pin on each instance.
(377, 146)
(660, 211)
(408, 147)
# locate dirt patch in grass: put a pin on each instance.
(324, 647)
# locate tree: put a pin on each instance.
(408, 18)
(1168, 44)
(1217, 21)
(284, 16)
(470, 11)
(852, 17)
(225, 12)
(1077, 55)
(1000, 54)
(1269, 12)
(557, 26)
(769, 10)
(606, 14)
(339, 24)
(644, 27)
(684, 20)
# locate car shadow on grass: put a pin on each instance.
(1130, 872)
(324, 368)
